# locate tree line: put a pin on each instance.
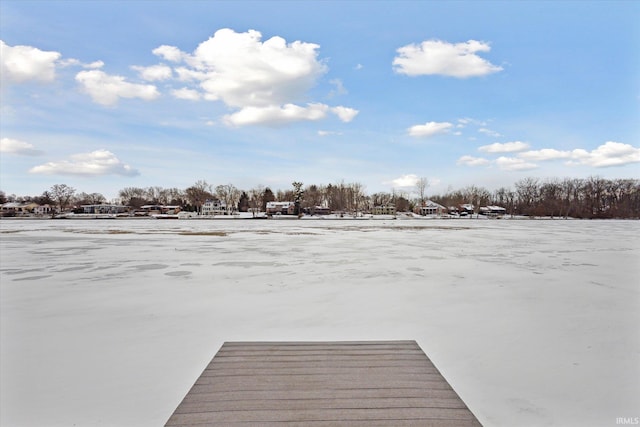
(593, 197)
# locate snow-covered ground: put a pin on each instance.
(108, 323)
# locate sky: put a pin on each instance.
(104, 95)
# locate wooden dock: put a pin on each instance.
(385, 383)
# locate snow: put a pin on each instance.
(109, 322)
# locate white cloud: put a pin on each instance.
(186, 93)
(328, 132)
(443, 58)
(339, 88)
(154, 72)
(263, 80)
(242, 71)
(94, 65)
(609, 154)
(545, 154)
(489, 132)
(606, 155)
(429, 129)
(280, 115)
(472, 161)
(100, 162)
(507, 147)
(106, 89)
(74, 62)
(463, 122)
(345, 114)
(276, 115)
(23, 63)
(14, 146)
(404, 181)
(170, 53)
(514, 164)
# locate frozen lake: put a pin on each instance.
(109, 323)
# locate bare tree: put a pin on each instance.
(528, 195)
(90, 199)
(198, 193)
(421, 188)
(133, 196)
(230, 195)
(175, 196)
(358, 197)
(255, 199)
(62, 195)
(312, 197)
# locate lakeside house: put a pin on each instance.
(150, 210)
(103, 209)
(384, 210)
(214, 207)
(430, 208)
(493, 211)
(318, 210)
(280, 208)
(466, 209)
(23, 209)
(43, 210)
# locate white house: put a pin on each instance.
(214, 207)
(43, 210)
(430, 208)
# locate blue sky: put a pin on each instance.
(103, 95)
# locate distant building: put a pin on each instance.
(43, 210)
(103, 209)
(430, 208)
(492, 211)
(214, 207)
(466, 209)
(149, 210)
(281, 208)
(320, 210)
(18, 209)
(384, 210)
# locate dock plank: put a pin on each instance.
(322, 384)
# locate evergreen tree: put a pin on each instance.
(267, 197)
(243, 204)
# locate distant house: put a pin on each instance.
(103, 209)
(320, 210)
(17, 209)
(43, 210)
(11, 208)
(492, 211)
(384, 210)
(214, 207)
(466, 209)
(149, 210)
(281, 208)
(430, 208)
(29, 207)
